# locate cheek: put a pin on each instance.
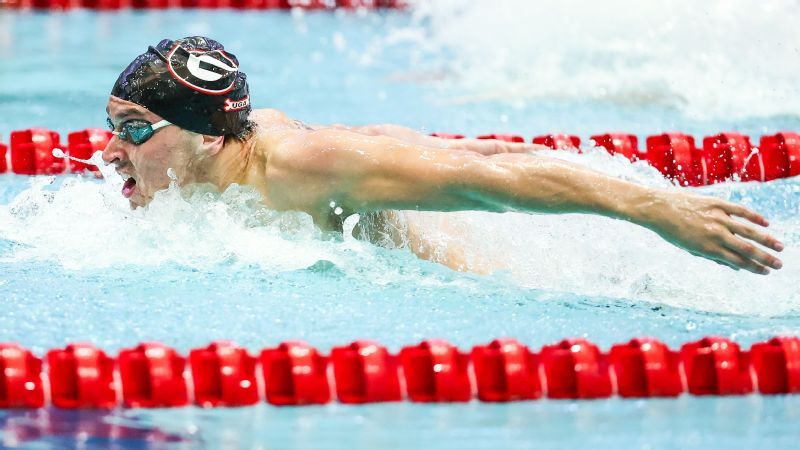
(152, 164)
(151, 170)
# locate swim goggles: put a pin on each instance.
(137, 131)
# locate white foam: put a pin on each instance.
(85, 225)
(710, 59)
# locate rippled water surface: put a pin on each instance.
(76, 264)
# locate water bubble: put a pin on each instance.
(339, 42)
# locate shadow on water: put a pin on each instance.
(57, 428)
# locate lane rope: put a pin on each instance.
(722, 157)
(223, 374)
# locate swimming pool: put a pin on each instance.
(77, 265)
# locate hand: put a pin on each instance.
(704, 226)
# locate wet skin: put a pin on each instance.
(387, 167)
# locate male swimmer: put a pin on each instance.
(185, 105)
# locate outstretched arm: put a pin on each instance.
(368, 173)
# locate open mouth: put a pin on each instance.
(128, 187)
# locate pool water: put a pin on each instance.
(77, 265)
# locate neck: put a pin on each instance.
(231, 165)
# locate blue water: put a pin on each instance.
(77, 265)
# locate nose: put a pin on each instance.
(115, 153)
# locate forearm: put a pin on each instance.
(535, 183)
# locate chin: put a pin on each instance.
(137, 201)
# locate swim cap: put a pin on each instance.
(191, 82)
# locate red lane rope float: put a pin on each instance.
(212, 4)
(435, 371)
(646, 368)
(559, 141)
(83, 144)
(32, 152)
(81, 376)
(575, 368)
(716, 366)
(294, 373)
(620, 143)
(676, 156)
(3, 156)
(152, 375)
(506, 370)
(223, 374)
(722, 157)
(365, 372)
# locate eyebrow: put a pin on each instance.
(126, 113)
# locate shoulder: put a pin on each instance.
(303, 150)
(275, 118)
(267, 115)
(277, 135)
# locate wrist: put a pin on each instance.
(647, 207)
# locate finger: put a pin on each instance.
(726, 264)
(741, 211)
(717, 260)
(734, 258)
(751, 233)
(751, 252)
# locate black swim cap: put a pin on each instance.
(191, 82)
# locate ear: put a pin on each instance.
(211, 145)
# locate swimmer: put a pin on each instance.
(185, 105)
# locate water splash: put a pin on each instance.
(721, 59)
(83, 224)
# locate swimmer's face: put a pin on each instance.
(144, 166)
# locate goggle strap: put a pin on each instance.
(160, 124)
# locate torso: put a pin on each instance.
(384, 228)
